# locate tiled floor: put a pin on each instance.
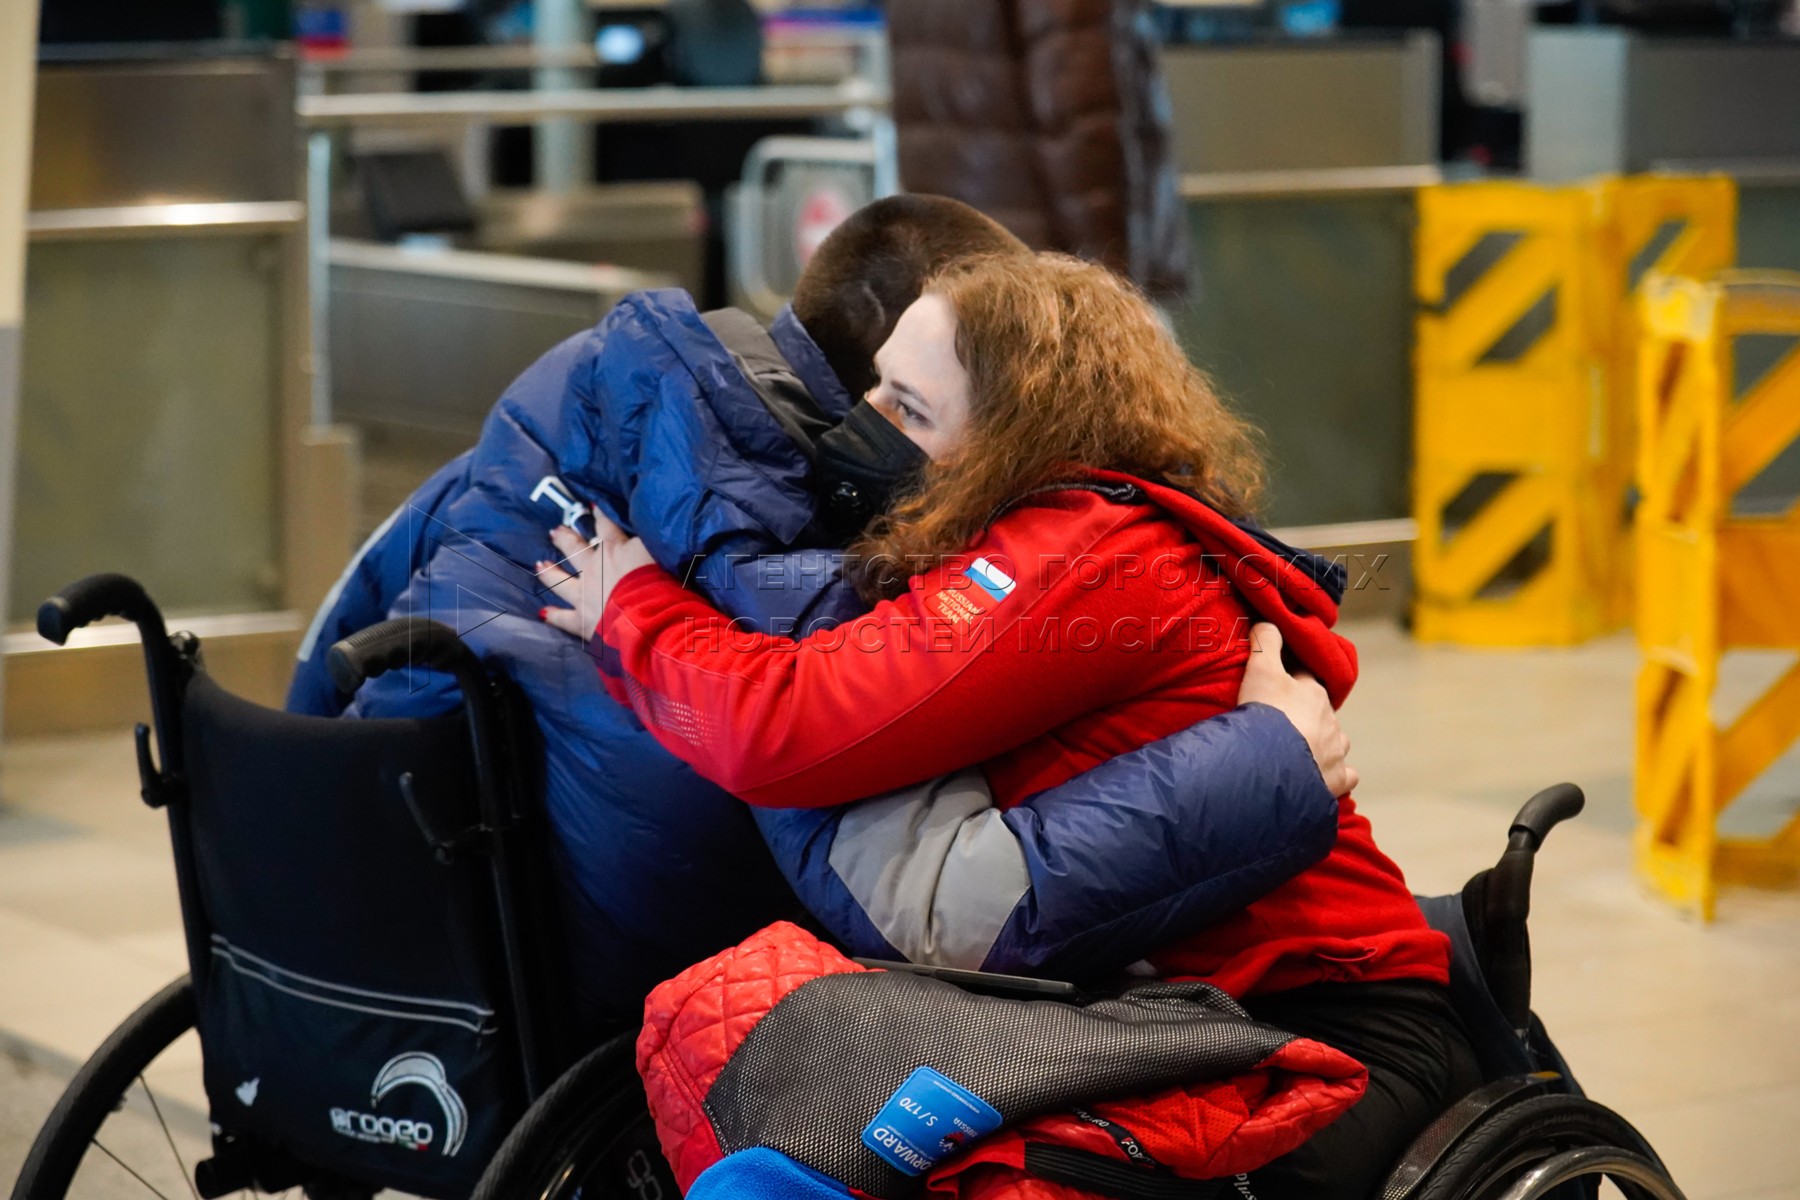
(1689, 1031)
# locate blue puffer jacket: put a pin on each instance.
(689, 430)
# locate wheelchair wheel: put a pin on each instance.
(110, 1109)
(589, 1137)
(1493, 1159)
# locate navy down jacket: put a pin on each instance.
(694, 431)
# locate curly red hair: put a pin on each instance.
(1070, 369)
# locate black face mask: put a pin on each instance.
(864, 465)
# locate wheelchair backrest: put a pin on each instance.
(1498, 1047)
(353, 1004)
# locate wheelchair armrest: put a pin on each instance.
(1441, 1136)
(402, 641)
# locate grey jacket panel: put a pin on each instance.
(935, 868)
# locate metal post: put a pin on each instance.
(18, 45)
(318, 267)
(562, 152)
(887, 155)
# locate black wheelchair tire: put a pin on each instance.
(1498, 1150)
(589, 1120)
(98, 1088)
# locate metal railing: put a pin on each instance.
(1328, 181)
(868, 46)
(860, 104)
(381, 59)
(851, 100)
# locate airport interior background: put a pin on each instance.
(1511, 287)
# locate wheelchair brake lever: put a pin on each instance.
(443, 848)
(152, 786)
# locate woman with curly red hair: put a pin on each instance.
(1064, 573)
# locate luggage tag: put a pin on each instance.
(926, 1120)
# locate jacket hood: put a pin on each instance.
(808, 362)
(664, 429)
(1296, 591)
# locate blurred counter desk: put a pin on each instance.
(415, 344)
(1611, 100)
(424, 341)
(165, 427)
(1299, 161)
(1273, 104)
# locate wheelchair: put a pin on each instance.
(375, 967)
(374, 962)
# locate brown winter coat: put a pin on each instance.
(1049, 115)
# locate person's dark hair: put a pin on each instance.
(871, 267)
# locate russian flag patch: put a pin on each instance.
(991, 579)
(987, 585)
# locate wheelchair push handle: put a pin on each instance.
(88, 600)
(1542, 813)
(166, 662)
(373, 652)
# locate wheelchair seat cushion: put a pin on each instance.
(891, 1082)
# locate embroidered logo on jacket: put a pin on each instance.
(559, 493)
(991, 579)
(985, 587)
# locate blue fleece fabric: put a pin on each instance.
(763, 1174)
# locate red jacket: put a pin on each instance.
(1083, 624)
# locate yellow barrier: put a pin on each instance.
(1523, 427)
(1710, 581)
(1662, 225)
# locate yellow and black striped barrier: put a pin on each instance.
(1523, 427)
(1667, 225)
(1714, 575)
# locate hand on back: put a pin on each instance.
(1301, 699)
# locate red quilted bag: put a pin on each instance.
(696, 1022)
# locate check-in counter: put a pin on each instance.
(657, 227)
(154, 356)
(164, 420)
(1299, 165)
(1610, 100)
(415, 347)
(425, 340)
(433, 337)
(1304, 105)
(555, 223)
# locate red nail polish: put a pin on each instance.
(543, 614)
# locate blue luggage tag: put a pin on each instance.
(929, 1118)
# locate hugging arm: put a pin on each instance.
(790, 593)
(1079, 880)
